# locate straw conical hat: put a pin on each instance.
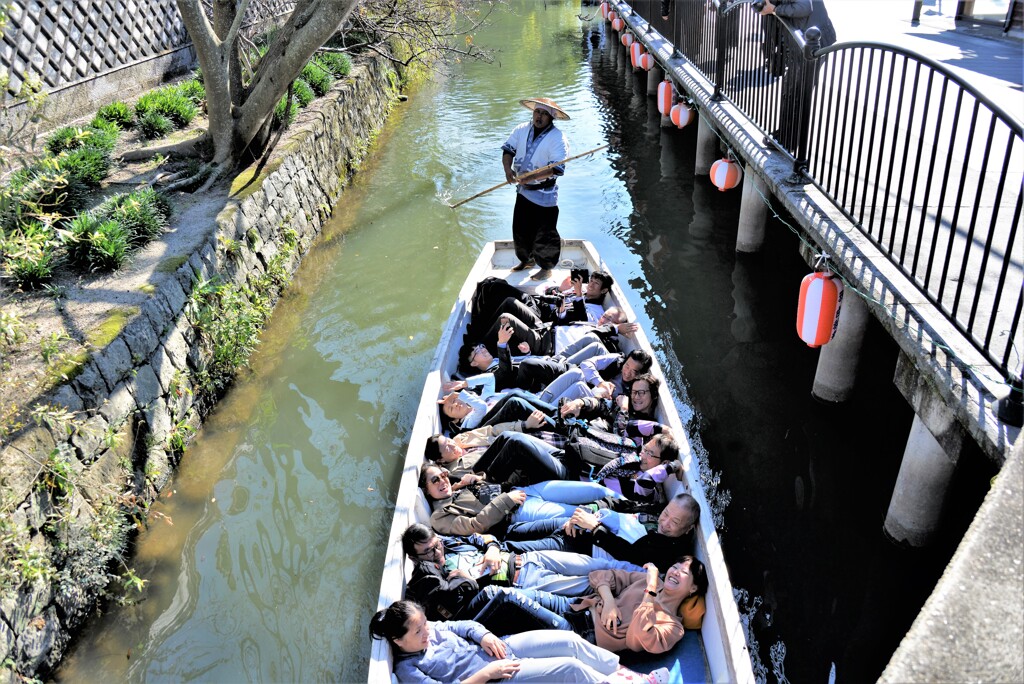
(532, 102)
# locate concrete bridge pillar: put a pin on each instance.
(837, 361)
(921, 488)
(654, 77)
(753, 212)
(930, 457)
(707, 147)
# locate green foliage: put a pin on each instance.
(170, 102)
(20, 561)
(69, 138)
(142, 214)
(49, 346)
(194, 90)
(86, 165)
(117, 113)
(154, 125)
(105, 126)
(12, 329)
(96, 244)
(285, 113)
(318, 78)
(337, 63)
(30, 255)
(57, 475)
(302, 93)
(43, 188)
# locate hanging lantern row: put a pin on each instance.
(682, 115)
(726, 174)
(817, 312)
(627, 39)
(617, 23)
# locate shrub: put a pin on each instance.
(142, 214)
(71, 138)
(117, 113)
(302, 93)
(317, 78)
(108, 247)
(337, 63)
(109, 127)
(194, 91)
(87, 165)
(153, 124)
(30, 255)
(284, 115)
(67, 138)
(169, 102)
(43, 187)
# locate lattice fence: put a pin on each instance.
(64, 43)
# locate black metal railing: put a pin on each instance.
(925, 165)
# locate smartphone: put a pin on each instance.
(583, 274)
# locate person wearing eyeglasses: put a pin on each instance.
(629, 415)
(483, 507)
(531, 373)
(639, 476)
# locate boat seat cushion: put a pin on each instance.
(685, 663)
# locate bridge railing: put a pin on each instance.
(923, 163)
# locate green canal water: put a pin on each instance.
(263, 561)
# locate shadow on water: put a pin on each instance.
(281, 507)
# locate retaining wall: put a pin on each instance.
(135, 399)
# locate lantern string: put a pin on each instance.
(980, 371)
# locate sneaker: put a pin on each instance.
(523, 265)
(542, 274)
(659, 676)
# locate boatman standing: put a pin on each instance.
(534, 145)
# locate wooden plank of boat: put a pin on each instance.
(722, 633)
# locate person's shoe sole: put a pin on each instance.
(542, 274)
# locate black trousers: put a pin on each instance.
(535, 233)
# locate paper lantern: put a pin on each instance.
(627, 39)
(618, 24)
(612, 15)
(647, 61)
(682, 115)
(726, 174)
(635, 52)
(817, 314)
(604, 10)
(665, 97)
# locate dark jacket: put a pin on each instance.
(803, 14)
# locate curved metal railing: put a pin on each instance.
(921, 161)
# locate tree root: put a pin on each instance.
(185, 148)
(211, 172)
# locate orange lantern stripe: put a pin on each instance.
(726, 174)
(665, 97)
(818, 309)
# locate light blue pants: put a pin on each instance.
(564, 573)
(569, 492)
(550, 655)
(569, 385)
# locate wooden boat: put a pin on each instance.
(725, 654)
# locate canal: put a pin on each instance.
(263, 556)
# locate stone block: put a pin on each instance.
(88, 439)
(140, 337)
(108, 474)
(158, 417)
(37, 508)
(90, 385)
(114, 362)
(176, 348)
(186, 278)
(119, 405)
(159, 314)
(21, 607)
(158, 468)
(66, 397)
(41, 643)
(19, 463)
(175, 296)
(6, 641)
(187, 330)
(199, 269)
(146, 386)
(164, 368)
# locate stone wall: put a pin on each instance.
(73, 487)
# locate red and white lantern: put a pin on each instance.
(682, 115)
(612, 15)
(665, 97)
(726, 174)
(618, 24)
(604, 10)
(636, 50)
(647, 61)
(627, 39)
(817, 314)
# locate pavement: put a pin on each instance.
(989, 59)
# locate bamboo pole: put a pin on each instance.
(543, 168)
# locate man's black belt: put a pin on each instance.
(543, 185)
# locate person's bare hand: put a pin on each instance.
(453, 386)
(470, 478)
(518, 495)
(584, 519)
(510, 177)
(500, 669)
(627, 329)
(768, 8)
(571, 408)
(524, 347)
(505, 333)
(622, 401)
(611, 618)
(604, 389)
(577, 285)
(493, 646)
(535, 420)
(492, 559)
(458, 572)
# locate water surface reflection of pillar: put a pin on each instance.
(654, 77)
(707, 147)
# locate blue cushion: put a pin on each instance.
(685, 663)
